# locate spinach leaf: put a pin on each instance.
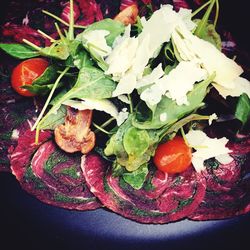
(136, 178)
(19, 51)
(91, 83)
(242, 111)
(172, 111)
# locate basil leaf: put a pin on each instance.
(19, 51)
(242, 111)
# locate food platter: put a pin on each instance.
(37, 225)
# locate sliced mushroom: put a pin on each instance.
(75, 135)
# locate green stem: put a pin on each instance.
(60, 32)
(131, 106)
(102, 129)
(200, 8)
(105, 124)
(61, 20)
(71, 21)
(48, 99)
(46, 36)
(32, 45)
(217, 12)
(204, 20)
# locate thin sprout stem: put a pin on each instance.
(46, 35)
(49, 98)
(71, 21)
(217, 12)
(32, 44)
(200, 8)
(59, 32)
(105, 124)
(131, 108)
(102, 129)
(61, 20)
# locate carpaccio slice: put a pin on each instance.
(228, 186)
(50, 174)
(177, 195)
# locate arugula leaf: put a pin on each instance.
(136, 178)
(91, 83)
(130, 153)
(173, 111)
(54, 120)
(115, 28)
(58, 50)
(208, 33)
(38, 89)
(19, 51)
(242, 111)
(48, 76)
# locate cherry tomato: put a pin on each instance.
(128, 15)
(173, 156)
(26, 72)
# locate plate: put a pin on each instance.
(27, 223)
(35, 225)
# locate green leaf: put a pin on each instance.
(136, 178)
(54, 120)
(173, 111)
(203, 22)
(19, 51)
(91, 83)
(38, 89)
(58, 50)
(115, 28)
(48, 76)
(136, 141)
(242, 111)
(208, 33)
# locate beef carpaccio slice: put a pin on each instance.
(228, 186)
(50, 174)
(161, 200)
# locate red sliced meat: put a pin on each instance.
(180, 197)
(50, 174)
(228, 186)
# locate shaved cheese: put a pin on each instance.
(153, 77)
(207, 148)
(96, 40)
(211, 118)
(176, 84)
(122, 116)
(191, 47)
(240, 86)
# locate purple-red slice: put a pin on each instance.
(51, 175)
(175, 197)
(228, 186)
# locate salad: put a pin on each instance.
(127, 113)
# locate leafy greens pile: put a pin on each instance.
(77, 73)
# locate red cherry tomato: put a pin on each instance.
(128, 15)
(173, 156)
(26, 72)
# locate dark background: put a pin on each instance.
(26, 223)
